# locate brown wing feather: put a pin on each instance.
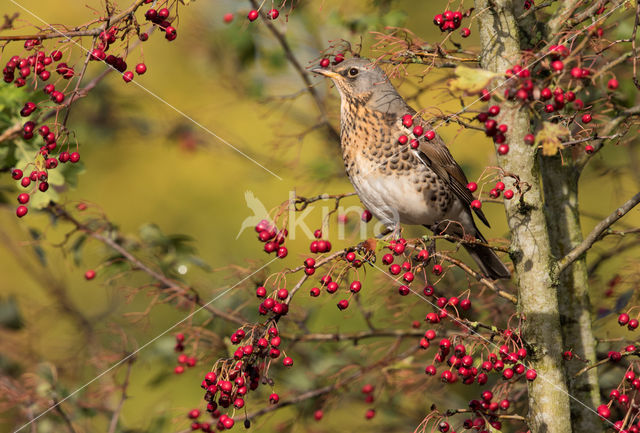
(437, 156)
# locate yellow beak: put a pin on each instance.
(326, 73)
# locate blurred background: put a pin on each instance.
(154, 172)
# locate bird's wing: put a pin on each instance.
(436, 155)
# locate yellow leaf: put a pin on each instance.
(471, 80)
(549, 138)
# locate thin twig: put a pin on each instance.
(595, 235)
(299, 69)
(123, 397)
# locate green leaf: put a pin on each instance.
(470, 80)
(549, 137)
(40, 200)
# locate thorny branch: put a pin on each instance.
(299, 69)
(595, 235)
(76, 32)
(167, 283)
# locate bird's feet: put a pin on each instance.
(367, 250)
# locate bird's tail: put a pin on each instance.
(488, 261)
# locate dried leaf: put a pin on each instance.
(549, 137)
(471, 80)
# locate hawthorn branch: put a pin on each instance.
(14, 130)
(604, 361)
(595, 235)
(77, 32)
(167, 283)
(329, 388)
(615, 252)
(356, 336)
(299, 69)
(123, 397)
(64, 415)
(478, 276)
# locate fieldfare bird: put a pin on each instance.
(398, 180)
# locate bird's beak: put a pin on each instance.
(326, 72)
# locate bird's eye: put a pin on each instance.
(353, 72)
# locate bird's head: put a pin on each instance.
(360, 78)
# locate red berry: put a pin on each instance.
(589, 149)
(529, 139)
(586, 118)
(476, 204)
(612, 84)
(508, 194)
(253, 15)
(141, 68)
(557, 65)
(90, 274)
(228, 17)
(283, 293)
(604, 411)
(370, 413)
(324, 63)
(437, 269)
(23, 198)
(430, 135)
(531, 374)
(170, 34)
(494, 110)
(317, 415)
(21, 211)
(503, 149)
(633, 324)
(287, 361)
(261, 292)
(623, 319)
(355, 286)
(273, 14)
(274, 398)
(465, 32)
(418, 130)
(403, 139)
(74, 157)
(127, 76)
(366, 216)
(343, 304)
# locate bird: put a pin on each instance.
(401, 181)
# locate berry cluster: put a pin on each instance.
(367, 390)
(461, 365)
(254, 15)
(183, 360)
(549, 87)
(232, 379)
(625, 320)
(273, 238)
(448, 21)
(36, 67)
(326, 61)
(331, 285)
(620, 401)
(162, 18)
(413, 135)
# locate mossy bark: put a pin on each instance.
(549, 406)
(560, 182)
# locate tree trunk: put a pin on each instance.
(549, 406)
(560, 184)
